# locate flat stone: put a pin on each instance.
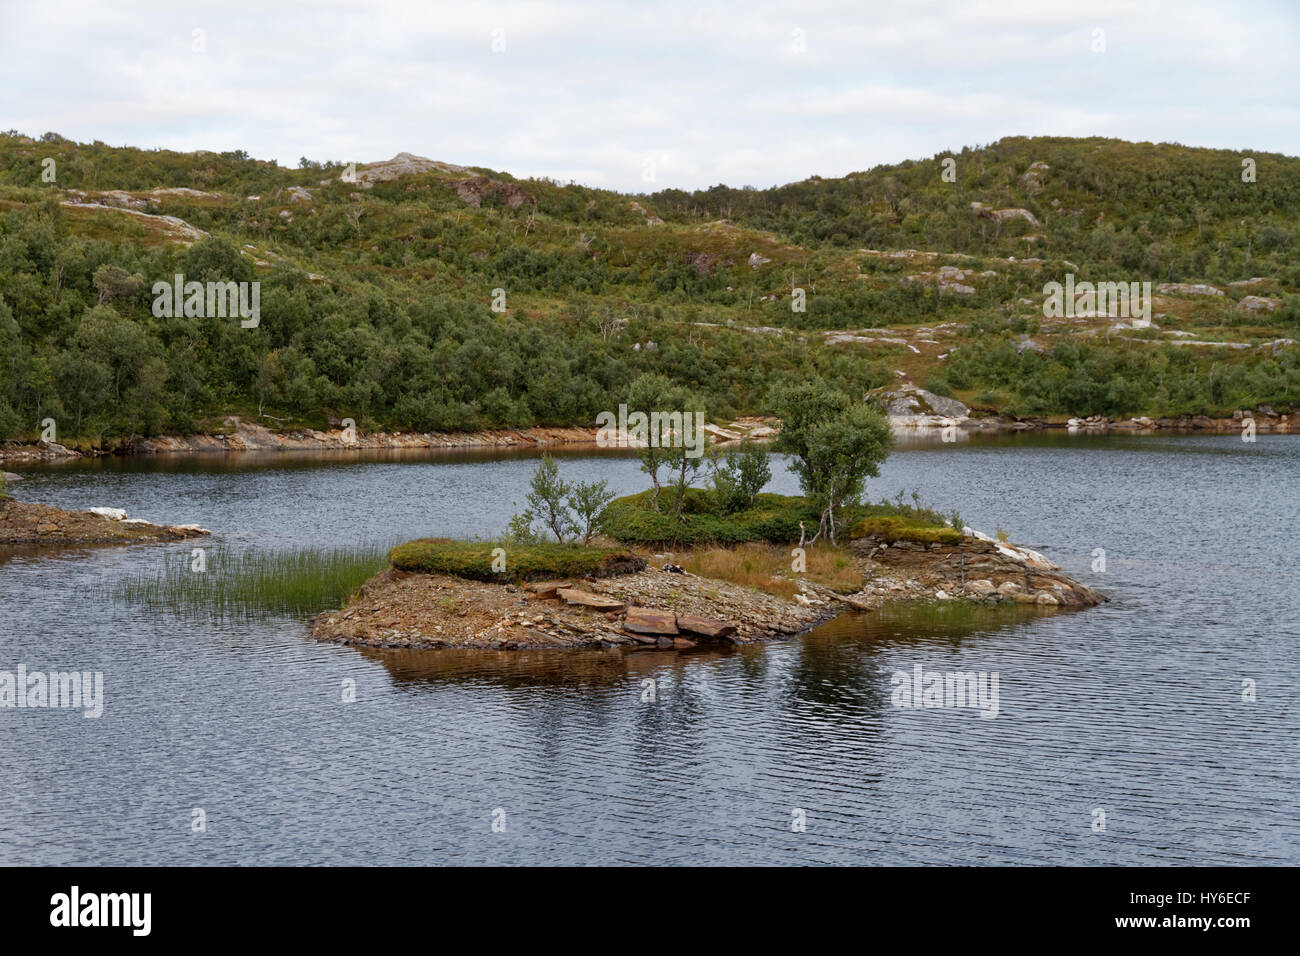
(645, 620)
(585, 598)
(704, 626)
(546, 589)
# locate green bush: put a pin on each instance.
(524, 562)
(773, 518)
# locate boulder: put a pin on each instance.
(1258, 303)
(911, 407)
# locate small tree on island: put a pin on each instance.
(588, 500)
(565, 508)
(836, 444)
(650, 391)
(684, 464)
(546, 494)
(736, 477)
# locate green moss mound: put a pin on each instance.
(533, 562)
(773, 518)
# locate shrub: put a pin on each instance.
(773, 518)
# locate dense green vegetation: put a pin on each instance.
(773, 519)
(1170, 212)
(1095, 378)
(376, 303)
(477, 561)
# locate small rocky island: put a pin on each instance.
(24, 522)
(676, 565)
(644, 604)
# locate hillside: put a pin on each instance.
(378, 281)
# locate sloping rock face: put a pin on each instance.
(403, 164)
(980, 568)
(1002, 215)
(474, 190)
(909, 406)
(176, 230)
(1188, 288)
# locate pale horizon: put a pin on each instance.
(760, 96)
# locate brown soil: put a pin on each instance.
(399, 609)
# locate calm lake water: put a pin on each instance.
(1134, 708)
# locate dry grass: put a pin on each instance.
(770, 568)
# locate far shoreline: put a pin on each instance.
(252, 438)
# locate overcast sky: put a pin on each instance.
(605, 93)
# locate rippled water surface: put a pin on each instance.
(1134, 707)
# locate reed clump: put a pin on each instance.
(226, 582)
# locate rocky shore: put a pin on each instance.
(911, 409)
(24, 522)
(665, 607)
(239, 435)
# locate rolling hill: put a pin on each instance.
(425, 295)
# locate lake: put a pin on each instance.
(1133, 710)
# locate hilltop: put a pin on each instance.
(378, 283)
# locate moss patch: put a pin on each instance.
(893, 528)
(474, 560)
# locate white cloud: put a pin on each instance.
(589, 90)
